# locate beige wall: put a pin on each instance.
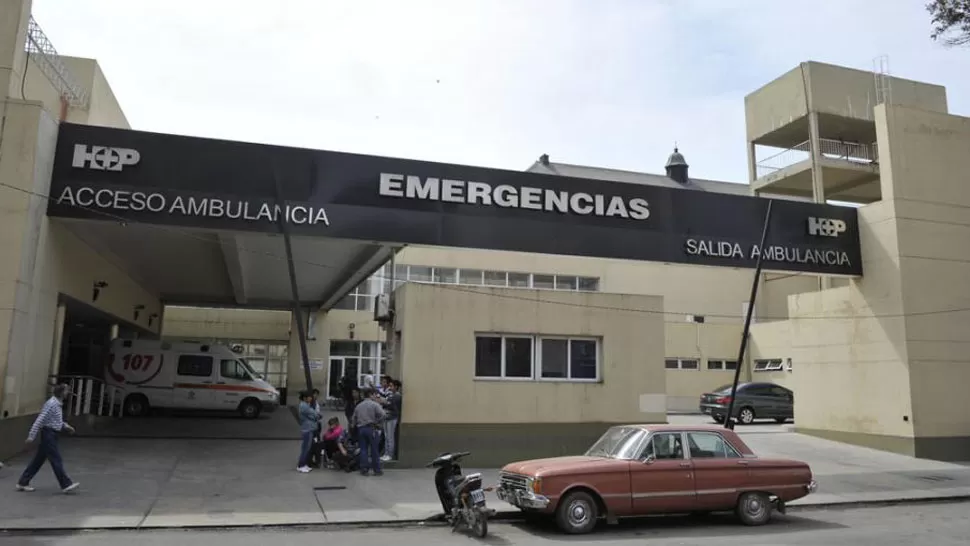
(715, 291)
(438, 328)
(834, 90)
(769, 341)
(241, 324)
(925, 168)
(851, 93)
(44, 260)
(776, 104)
(703, 342)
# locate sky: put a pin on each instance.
(495, 83)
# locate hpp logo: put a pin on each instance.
(103, 158)
(825, 227)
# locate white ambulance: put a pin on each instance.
(184, 375)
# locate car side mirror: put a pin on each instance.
(649, 459)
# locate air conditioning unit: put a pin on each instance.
(382, 308)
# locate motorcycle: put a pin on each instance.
(462, 497)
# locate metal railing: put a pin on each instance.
(852, 152)
(45, 56)
(90, 396)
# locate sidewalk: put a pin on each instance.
(151, 483)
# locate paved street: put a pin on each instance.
(184, 481)
(931, 524)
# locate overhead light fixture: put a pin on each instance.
(138, 309)
(96, 289)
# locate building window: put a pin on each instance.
(768, 365)
(682, 364)
(520, 357)
(503, 357)
(721, 364)
(568, 358)
(363, 295)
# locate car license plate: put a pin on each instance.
(478, 496)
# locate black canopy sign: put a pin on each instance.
(112, 174)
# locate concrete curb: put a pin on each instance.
(502, 517)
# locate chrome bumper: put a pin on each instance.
(522, 498)
(811, 487)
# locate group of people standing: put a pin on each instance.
(373, 414)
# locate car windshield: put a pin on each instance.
(617, 443)
(245, 365)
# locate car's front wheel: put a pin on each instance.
(577, 513)
(754, 508)
(746, 415)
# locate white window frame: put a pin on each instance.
(502, 376)
(680, 363)
(537, 359)
(769, 365)
(723, 364)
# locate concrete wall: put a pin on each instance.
(241, 324)
(443, 401)
(924, 173)
(834, 90)
(776, 104)
(44, 261)
(702, 342)
(851, 93)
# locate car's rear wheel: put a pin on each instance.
(746, 415)
(577, 513)
(718, 419)
(754, 508)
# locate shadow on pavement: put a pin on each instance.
(673, 527)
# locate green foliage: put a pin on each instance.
(951, 21)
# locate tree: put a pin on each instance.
(951, 21)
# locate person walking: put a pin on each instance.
(308, 427)
(49, 423)
(367, 418)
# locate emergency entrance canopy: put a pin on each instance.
(133, 177)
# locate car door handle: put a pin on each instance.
(743, 462)
(221, 383)
(685, 465)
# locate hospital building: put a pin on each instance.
(524, 310)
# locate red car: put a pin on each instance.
(638, 470)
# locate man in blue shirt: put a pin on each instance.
(49, 423)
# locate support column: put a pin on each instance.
(752, 163)
(13, 36)
(818, 185)
(58, 345)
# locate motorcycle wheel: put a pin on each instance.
(480, 527)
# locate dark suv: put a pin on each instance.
(754, 401)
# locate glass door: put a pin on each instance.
(333, 377)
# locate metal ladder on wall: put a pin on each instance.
(90, 396)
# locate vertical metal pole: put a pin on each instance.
(729, 418)
(389, 360)
(297, 312)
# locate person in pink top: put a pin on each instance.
(333, 441)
